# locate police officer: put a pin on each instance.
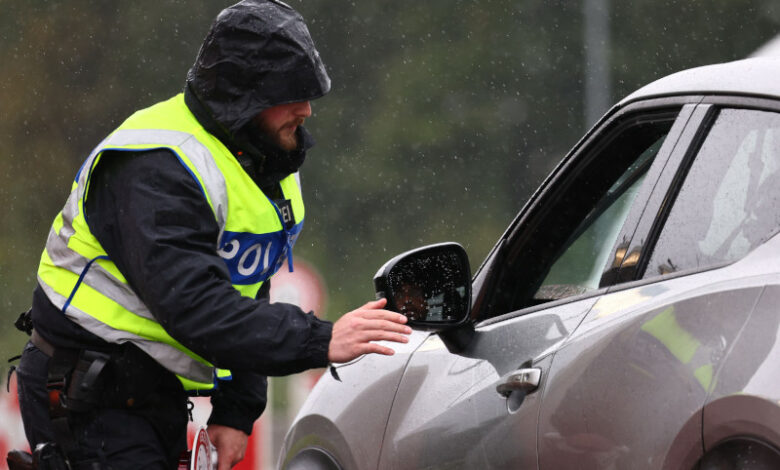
(154, 281)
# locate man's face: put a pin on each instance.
(280, 122)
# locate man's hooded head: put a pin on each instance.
(257, 54)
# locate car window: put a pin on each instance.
(729, 202)
(579, 267)
(564, 245)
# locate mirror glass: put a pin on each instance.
(431, 285)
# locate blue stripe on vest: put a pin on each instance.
(253, 258)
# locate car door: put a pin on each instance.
(550, 268)
(628, 387)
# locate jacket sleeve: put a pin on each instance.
(237, 403)
(154, 222)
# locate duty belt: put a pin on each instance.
(41, 343)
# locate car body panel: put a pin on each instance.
(746, 397)
(607, 401)
(447, 403)
(352, 409)
(756, 77)
(610, 386)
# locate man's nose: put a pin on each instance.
(303, 109)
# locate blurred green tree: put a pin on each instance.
(444, 115)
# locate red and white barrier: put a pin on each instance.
(259, 454)
(11, 427)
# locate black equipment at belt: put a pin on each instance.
(81, 381)
(72, 386)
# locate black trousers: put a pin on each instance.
(141, 422)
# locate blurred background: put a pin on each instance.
(444, 116)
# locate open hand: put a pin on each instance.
(354, 332)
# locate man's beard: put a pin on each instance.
(285, 137)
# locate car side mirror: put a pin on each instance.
(431, 286)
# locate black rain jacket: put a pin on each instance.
(150, 215)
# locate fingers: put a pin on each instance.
(381, 324)
(341, 352)
(373, 348)
(230, 443)
(375, 304)
(354, 333)
(378, 314)
(375, 330)
(383, 335)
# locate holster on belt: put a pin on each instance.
(73, 385)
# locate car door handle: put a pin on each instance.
(526, 380)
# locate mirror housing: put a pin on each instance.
(431, 286)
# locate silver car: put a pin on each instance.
(629, 318)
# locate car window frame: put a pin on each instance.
(485, 280)
(659, 207)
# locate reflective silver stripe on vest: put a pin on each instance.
(69, 212)
(169, 357)
(198, 154)
(71, 209)
(97, 277)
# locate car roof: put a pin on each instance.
(758, 76)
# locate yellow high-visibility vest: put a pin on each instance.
(79, 278)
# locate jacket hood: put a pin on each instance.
(257, 54)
